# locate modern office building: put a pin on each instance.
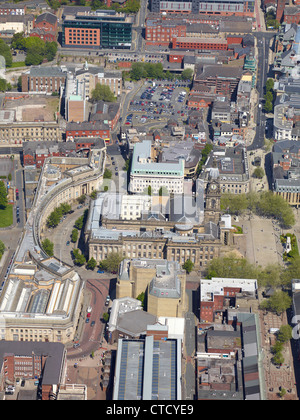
(145, 172)
(99, 29)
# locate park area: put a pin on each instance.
(6, 216)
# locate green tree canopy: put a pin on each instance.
(79, 222)
(258, 173)
(284, 334)
(3, 195)
(188, 266)
(91, 264)
(187, 74)
(74, 235)
(112, 262)
(279, 302)
(102, 93)
(48, 247)
(264, 204)
(2, 249)
(6, 53)
(79, 259)
(107, 174)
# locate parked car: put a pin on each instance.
(100, 271)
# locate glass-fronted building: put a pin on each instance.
(99, 29)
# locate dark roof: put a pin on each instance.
(54, 351)
(48, 17)
(86, 125)
(205, 71)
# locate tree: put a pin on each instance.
(3, 85)
(234, 203)
(91, 264)
(278, 359)
(18, 41)
(81, 199)
(79, 222)
(279, 302)
(268, 106)
(2, 249)
(48, 247)
(50, 50)
(269, 85)
(6, 53)
(93, 194)
(284, 334)
(79, 259)
(112, 262)
(65, 208)
(105, 316)
(137, 71)
(33, 59)
(74, 235)
(107, 174)
(141, 297)
(3, 195)
(188, 266)
(187, 74)
(102, 93)
(232, 267)
(258, 173)
(53, 219)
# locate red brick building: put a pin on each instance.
(200, 44)
(45, 27)
(222, 80)
(35, 153)
(198, 101)
(43, 79)
(291, 14)
(217, 294)
(161, 32)
(106, 112)
(87, 129)
(42, 361)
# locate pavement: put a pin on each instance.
(276, 377)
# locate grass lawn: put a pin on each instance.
(6, 216)
(18, 64)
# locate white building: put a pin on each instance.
(146, 172)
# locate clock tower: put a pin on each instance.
(212, 201)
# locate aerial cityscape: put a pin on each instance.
(149, 201)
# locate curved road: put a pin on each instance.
(91, 336)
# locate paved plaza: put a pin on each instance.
(276, 377)
(260, 241)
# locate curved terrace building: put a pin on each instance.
(42, 296)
